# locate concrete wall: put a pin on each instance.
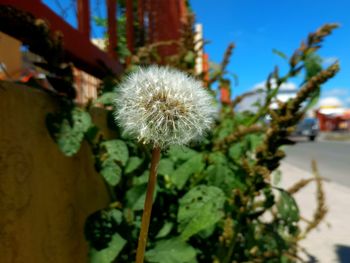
(45, 197)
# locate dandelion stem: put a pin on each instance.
(146, 216)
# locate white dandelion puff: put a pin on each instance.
(164, 106)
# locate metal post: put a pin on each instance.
(84, 17)
(112, 27)
(140, 12)
(130, 25)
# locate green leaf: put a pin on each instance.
(313, 65)
(68, 140)
(214, 66)
(206, 233)
(71, 133)
(285, 259)
(165, 230)
(133, 163)
(116, 153)
(165, 167)
(222, 176)
(314, 99)
(227, 127)
(106, 98)
(280, 54)
(142, 179)
(108, 254)
(254, 141)
(190, 58)
(180, 153)
(116, 214)
(217, 158)
(171, 251)
(135, 197)
(91, 133)
(81, 119)
(111, 172)
(199, 209)
(194, 165)
(236, 151)
(116, 150)
(100, 21)
(276, 177)
(287, 207)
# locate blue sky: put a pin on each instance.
(258, 26)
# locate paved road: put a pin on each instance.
(333, 158)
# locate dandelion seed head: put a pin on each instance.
(163, 106)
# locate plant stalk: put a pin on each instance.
(146, 216)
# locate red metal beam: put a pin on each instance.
(166, 24)
(205, 69)
(130, 25)
(140, 12)
(84, 17)
(151, 13)
(183, 12)
(78, 48)
(112, 27)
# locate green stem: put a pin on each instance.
(146, 216)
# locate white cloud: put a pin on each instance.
(342, 94)
(337, 92)
(339, 96)
(289, 86)
(330, 60)
(287, 91)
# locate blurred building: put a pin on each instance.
(17, 64)
(332, 115)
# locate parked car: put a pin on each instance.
(308, 127)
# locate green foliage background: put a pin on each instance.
(214, 201)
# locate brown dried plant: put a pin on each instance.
(321, 209)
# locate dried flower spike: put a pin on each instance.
(163, 106)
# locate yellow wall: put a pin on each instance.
(45, 197)
(10, 55)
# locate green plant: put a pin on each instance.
(214, 201)
(161, 107)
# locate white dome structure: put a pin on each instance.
(330, 102)
(331, 106)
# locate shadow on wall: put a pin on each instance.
(312, 259)
(343, 253)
